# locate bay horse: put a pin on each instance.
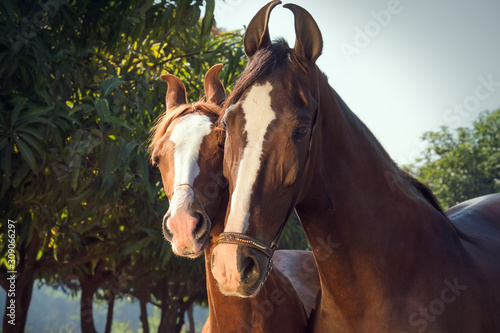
(187, 147)
(389, 258)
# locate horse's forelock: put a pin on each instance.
(165, 120)
(261, 66)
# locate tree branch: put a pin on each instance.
(49, 266)
(179, 57)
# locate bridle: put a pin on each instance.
(248, 241)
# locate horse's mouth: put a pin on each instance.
(204, 240)
(254, 289)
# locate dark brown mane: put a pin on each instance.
(165, 120)
(262, 65)
(425, 191)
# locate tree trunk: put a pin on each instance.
(169, 313)
(111, 306)
(89, 285)
(86, 302)
(191, 319)
(143, 302)
(15, 316)
(23, 290)
(169, 317)
(173, 306)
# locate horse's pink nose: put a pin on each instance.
(187, 231)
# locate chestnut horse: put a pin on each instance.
(186, 146)
(389, 258)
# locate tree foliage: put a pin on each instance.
(80, 90)
(463, 163)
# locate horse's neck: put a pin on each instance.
(362, 216)
(276, 302)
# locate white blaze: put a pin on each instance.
(258, 116)
(187, 136)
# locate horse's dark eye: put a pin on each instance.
(157, 160)
(300, 132)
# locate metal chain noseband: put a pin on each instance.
(245, 240)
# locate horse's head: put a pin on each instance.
(186, 147)
(269, 120)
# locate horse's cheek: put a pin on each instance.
(290, 173)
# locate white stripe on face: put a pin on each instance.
(187, 136)
(258, 116)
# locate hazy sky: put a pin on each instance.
(404, 67)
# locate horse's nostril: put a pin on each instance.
(249, 269)
(187, 251)
(201, 230)
(166, 233)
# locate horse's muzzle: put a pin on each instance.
(190, 235)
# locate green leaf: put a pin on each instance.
(3, 142)
(26, 229)
(144, 7)
(20, 174)
(138, 245)
(75, 171)
(109, 85)
(120, 122)
(208, 20)
(37, 120)
(7, 5)
(27, 155)
(32, 142)
(102, 108)
(151, 231)
(83, 194)
(17, 110)
(39, 254)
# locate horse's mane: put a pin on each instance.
(425, 191)
(420, 187)
(213, 111)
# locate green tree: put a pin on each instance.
(78, 96)
(464, 163)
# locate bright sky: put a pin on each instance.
(403, 66)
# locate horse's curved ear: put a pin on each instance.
(214, 89)
(257, 33)
(176, 92)
(308, 43)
